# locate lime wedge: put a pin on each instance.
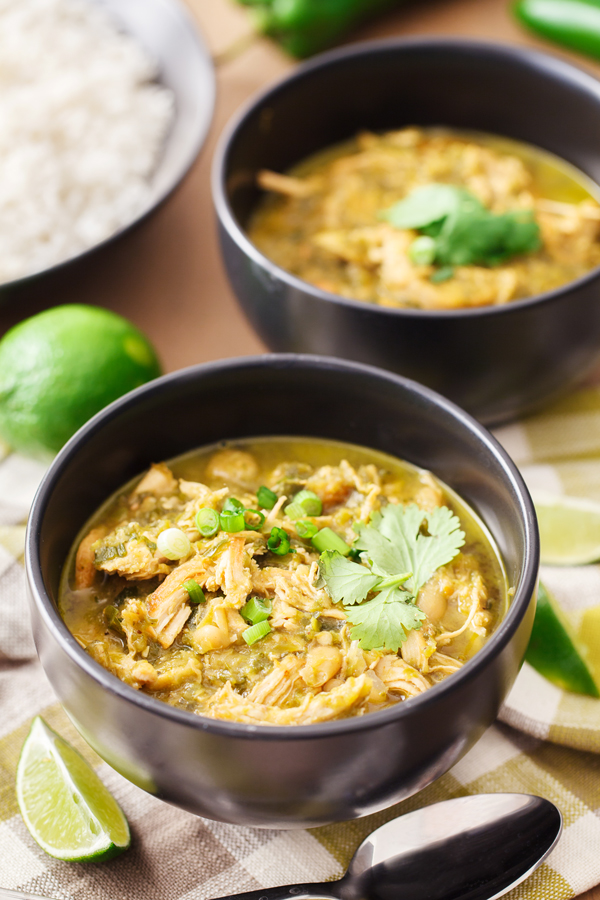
(65, 806)
(554, 651)
(569, 529)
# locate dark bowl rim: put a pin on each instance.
(527, 57)
(494, 646)
(202, 132)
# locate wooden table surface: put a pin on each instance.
(168, 278)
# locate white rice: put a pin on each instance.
(82, 123)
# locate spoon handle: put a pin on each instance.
(324, 891)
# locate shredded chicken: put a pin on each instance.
(159, 480)
(234, 630)
(325, 225)
(340, 702)
(168, 606)
(85, 569)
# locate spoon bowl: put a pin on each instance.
(470, 848)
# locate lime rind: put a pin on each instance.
(569, 529)
(67, 809)
(555, 652)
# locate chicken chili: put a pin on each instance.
(430, 219)
(283, 581)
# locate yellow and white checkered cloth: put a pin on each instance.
(547, 742)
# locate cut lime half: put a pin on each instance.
(65, 806)
(569, 529)
(554, 651)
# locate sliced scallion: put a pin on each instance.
(232, 504)
(254, 519)
(422, 250)
(256, 632)
(294, 511)
(306, 529)
(207, 521)
(173, 543)
(310, 502)
(278, 541)
(232, 521)
(266, 497)
(326, 539)
(256, 610)
(195, 591)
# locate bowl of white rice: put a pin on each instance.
(104, 106)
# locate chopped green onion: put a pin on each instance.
(256, 632)
(232, 521)
(294, 511)
(306, 529)
(422, 251)
(254, 519)
(256, 610)
(195, 591)
(279, 541)
(207, 521)
(310, 503)
(232, 504)
(173, 543)
(326, 539)
(266, 497)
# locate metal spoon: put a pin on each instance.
(472, 848)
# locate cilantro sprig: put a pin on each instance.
(400, 550)
(457, 229)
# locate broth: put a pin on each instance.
(178, 628)
(323, 221)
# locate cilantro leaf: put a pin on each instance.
(486, 239)
(347, 582)
(385, 621)
(463, 230)
(399, 552)
(428, 204)
(438, 548)
(394, 542)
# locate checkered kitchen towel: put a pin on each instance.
(547, 742)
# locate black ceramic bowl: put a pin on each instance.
(165, 30)
(294, 776)
(498, 361)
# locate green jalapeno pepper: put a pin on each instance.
(572, 23)
(304, 27)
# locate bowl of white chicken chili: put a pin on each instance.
(251, 580)
(425, 205)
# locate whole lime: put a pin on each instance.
(60, 367)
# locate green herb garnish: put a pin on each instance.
(256, 610)
(461, 231)
(401, 549)
(256, 632)
(327, 539)
(278, 541)
(195, 592)
(266, 497)
(207, 522)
